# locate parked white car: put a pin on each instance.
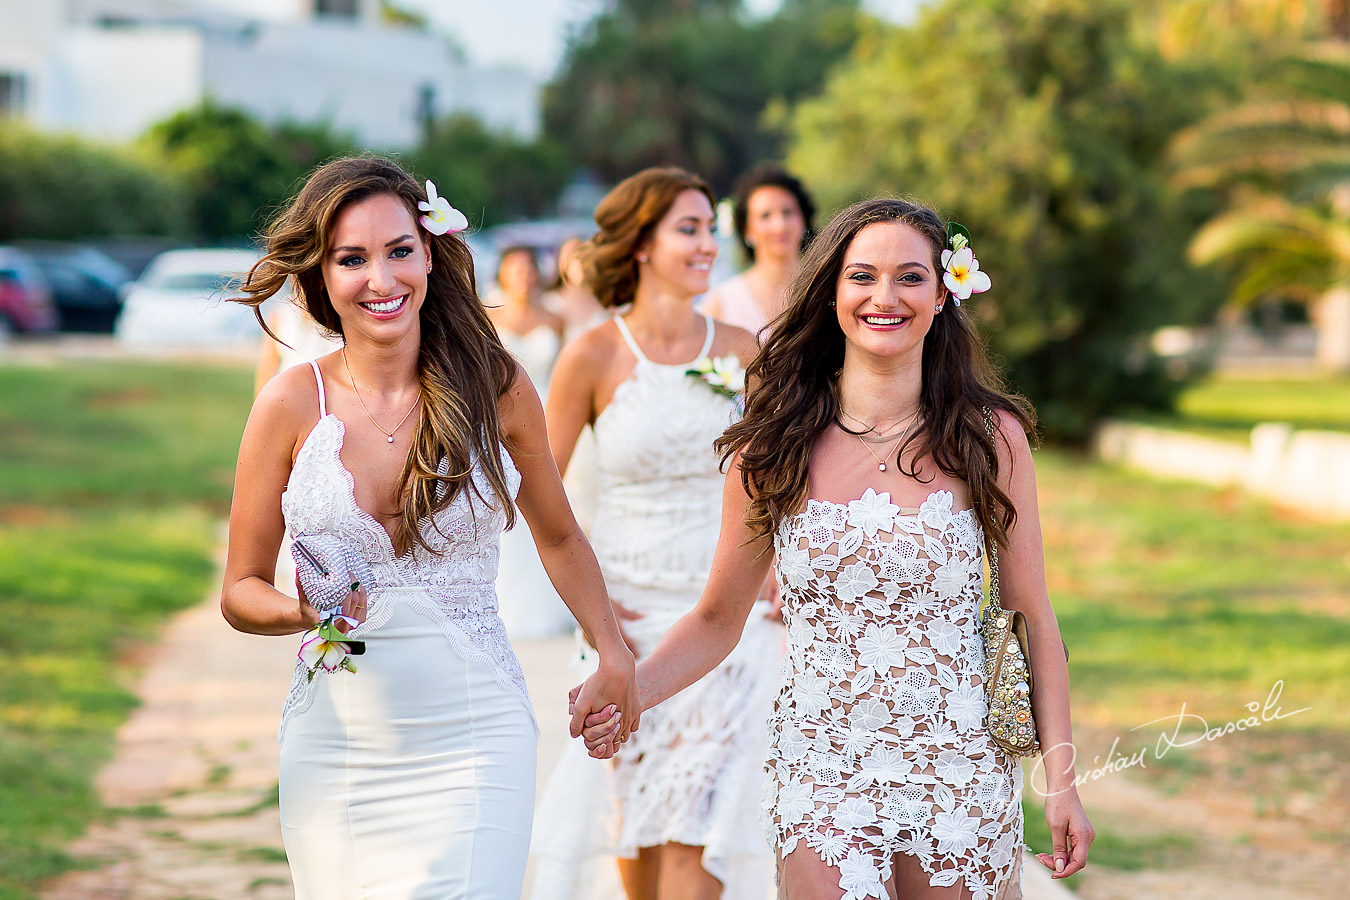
(181, 298)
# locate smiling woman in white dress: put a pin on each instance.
(863, 460)
(678, 805)
(412, 777)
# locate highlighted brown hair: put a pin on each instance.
(627, 216)
(792, 398)
(463, 367)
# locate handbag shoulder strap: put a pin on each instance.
(991, 549)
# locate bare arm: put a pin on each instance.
(1023, 588)
(248, 600)
(566, 554)
(704, 636)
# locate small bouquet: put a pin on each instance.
(327, 647)
(329, 570)
(724, 374)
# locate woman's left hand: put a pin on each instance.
(613, 684)
(1070, 833)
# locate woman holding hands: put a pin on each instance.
(877, 455)
(406, 771)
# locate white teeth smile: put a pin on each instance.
(884, 320)
(385, 306)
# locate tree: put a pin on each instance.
(1042, 126)
(491, 177)
(239, 170)
(654, 83)
(1285, 156)
(63, 188)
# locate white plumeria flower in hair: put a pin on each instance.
(441, 217)
(962, 276)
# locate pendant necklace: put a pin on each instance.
(881, 460)
(388, 434)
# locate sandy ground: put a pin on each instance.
(195, 769)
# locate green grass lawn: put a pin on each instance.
(114, 479)
(1170, 594)
(1229, 405)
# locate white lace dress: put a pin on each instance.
(694, 771)
(412, 777)
(879, 740)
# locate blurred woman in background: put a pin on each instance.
(530, 606)
(773, 212)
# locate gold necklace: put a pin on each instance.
(880, 461)
(877, 439)
(388, 434)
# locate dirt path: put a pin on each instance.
(195, 770)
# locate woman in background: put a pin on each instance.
(773, 212)
(530, 606)
(678, 804)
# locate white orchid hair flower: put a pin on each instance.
(441, 217)
(962, 274)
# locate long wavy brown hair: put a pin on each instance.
(792, 398)
(463, 367)
(627, 216)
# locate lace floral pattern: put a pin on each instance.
(879, 745)
(455, 581)
(693, 772)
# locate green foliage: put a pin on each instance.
(1042, 126)
(57, 187)
(238, 169)
(491, 177)
(1284, 156)
(112, 481)
(689, 83)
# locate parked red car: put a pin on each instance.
(25, 297)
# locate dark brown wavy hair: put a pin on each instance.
(627, 216)
(792, 397)
(463, 367)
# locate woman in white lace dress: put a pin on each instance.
(411, 776)
(678, 804)
(864, 461)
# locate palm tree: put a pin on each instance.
(1285, 156)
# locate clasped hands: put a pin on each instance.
(605, 708)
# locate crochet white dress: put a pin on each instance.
(879, 744)
(412, 777)
(693, 773)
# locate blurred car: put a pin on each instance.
(86, 283)
(182, 298)
(25, 297)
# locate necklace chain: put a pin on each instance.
(880, 460)
(387, 434)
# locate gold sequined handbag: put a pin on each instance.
(1007, 662)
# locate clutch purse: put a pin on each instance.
(328, 569)
(1007, 662)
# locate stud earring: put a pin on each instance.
(642, 257)
(937, 309)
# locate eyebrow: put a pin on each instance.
(398, 240)
(914, 264)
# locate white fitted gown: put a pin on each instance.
(413, 777)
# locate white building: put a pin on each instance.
(110, 68)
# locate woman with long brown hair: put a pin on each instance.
(659, 383)
(877, 455)
(408, 770)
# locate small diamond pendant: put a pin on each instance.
(391, 438)
(882, 467)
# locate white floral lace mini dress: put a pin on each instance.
(879, 744)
